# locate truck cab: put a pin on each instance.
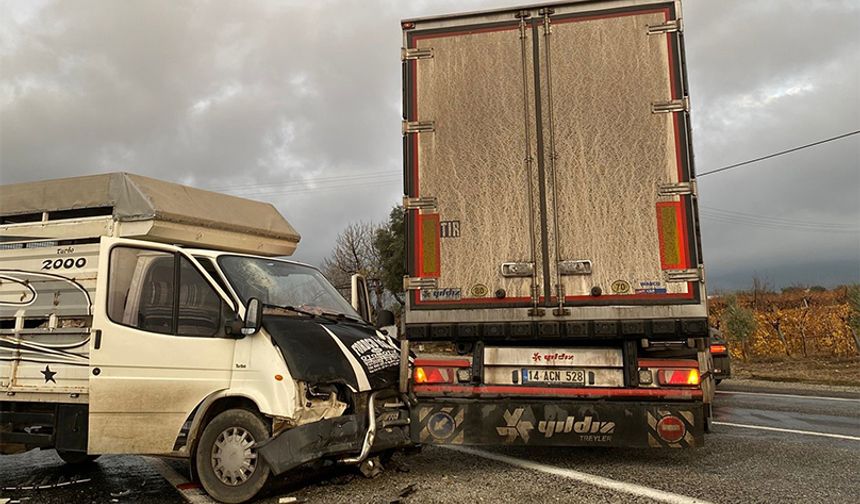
(246, 364)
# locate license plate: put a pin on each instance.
(567, 376)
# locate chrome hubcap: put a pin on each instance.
(233, 460)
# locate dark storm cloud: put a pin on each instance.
(299, 104)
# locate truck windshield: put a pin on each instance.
(281, 283)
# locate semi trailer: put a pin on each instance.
(553, 232)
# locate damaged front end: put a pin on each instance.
(379, 422)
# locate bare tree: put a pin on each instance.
(354, 252)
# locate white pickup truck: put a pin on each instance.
(143, 317)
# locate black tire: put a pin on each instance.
(223, 435)
(76, 457)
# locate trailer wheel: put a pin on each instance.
(76, 457)
(229, 469)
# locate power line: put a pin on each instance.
(764, 225)
(768, 219)
(795, 149)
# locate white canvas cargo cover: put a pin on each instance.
(132, 206)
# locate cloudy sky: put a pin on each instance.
(298, 103)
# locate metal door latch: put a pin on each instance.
(578, 267)
(684, 275)
(517, 269)
(414, 283)
(415, 53)
(418, 127)
(682, 105)
(677, 189)
(674, 25)
(427, 203)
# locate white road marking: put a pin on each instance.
(792, 396)
(789, 431)
(194, 495)
(590, 479)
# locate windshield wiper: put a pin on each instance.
(293, 309)
(343, 316)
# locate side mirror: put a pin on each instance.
(384, 318)
(253, 317)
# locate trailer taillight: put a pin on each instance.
(430, 375)
(678, 376)
(718, 349)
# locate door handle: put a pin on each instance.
(98, 336)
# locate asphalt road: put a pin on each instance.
(768, 446)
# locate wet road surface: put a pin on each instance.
(767, 446)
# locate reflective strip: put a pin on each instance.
(428, 245)
(671, 235)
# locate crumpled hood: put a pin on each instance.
(323, 352)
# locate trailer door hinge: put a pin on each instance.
(418, 127)
(415, 53)
(427, 203)
(674, 25)
(677, 188)
(682, 105)
(415, 283)
(684, 275)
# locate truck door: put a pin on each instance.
(616, 145)
(159, 347)
(471, 168)
(547, 160)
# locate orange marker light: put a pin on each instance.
(420, 375)
(278, 377)
(718, 349)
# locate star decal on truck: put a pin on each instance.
(49, 375)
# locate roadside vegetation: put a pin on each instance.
(805, 334)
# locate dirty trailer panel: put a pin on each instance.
(585, 186)
(473, 163)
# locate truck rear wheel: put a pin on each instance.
(229, 469)
(76, 457)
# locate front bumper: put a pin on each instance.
(338, 438)
(552, 422)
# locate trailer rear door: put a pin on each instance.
(471, 93)
(547, 158)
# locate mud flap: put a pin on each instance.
(511, 422)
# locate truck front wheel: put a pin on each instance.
(228, 466)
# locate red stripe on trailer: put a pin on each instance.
(668, 363)
(460, 363)
(513, 390)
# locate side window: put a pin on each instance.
(143, 293)
(141, 289)
(199, 305)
